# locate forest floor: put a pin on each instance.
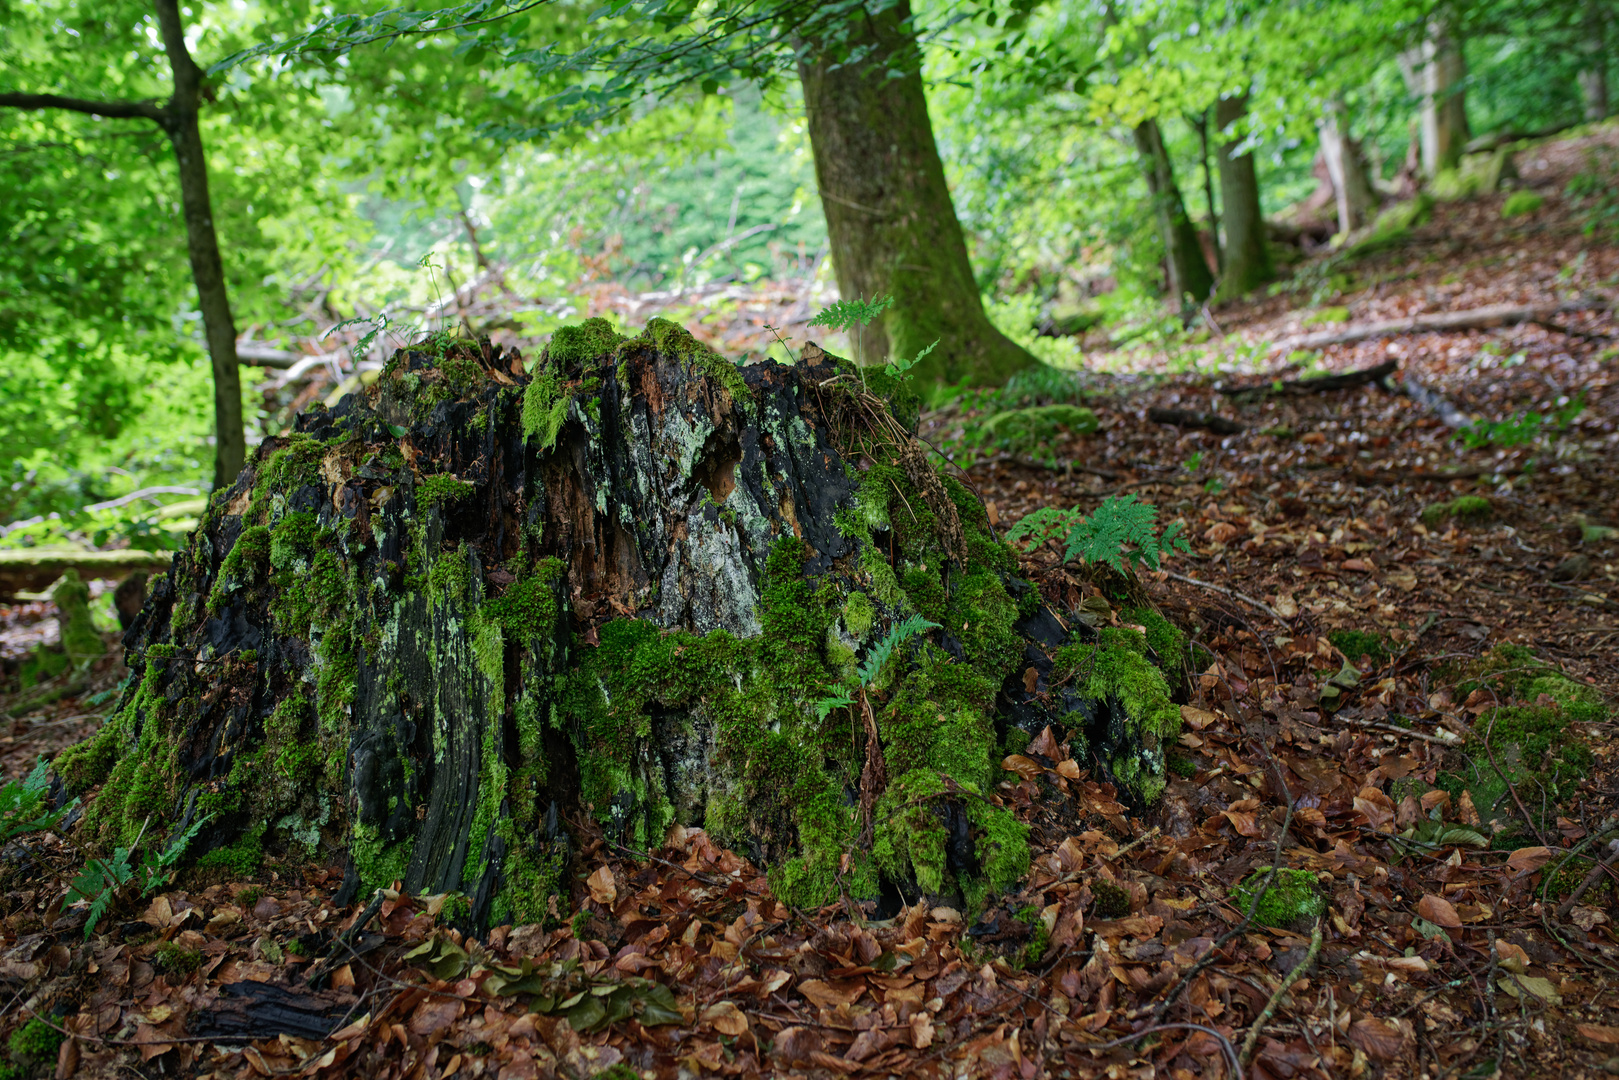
(1452, 957)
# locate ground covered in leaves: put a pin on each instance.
(1380, 604)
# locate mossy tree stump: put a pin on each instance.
(432, 624)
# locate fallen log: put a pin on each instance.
(1475, 319)
(33, 570)
(1189, 418)
(1317, 384)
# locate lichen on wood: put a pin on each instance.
(475, 602)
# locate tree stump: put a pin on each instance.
(432, 624)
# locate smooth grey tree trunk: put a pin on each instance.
(1444, 103)
(1351, 182)
(892, 226)
(1593, 77)
(1247, 257)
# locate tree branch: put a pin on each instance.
(115, 110)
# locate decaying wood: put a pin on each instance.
(1316, 384)
(1190, 418)
(33, 570)
(1474, 319)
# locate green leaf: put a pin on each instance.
(846, 313)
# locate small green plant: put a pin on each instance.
(1214, 485)
(103, 879)
(23, 808)
(35, 1043)
(249, 896)
(901, 632)
(844, 314)
(176, 959)
(1193, 463)
(1521, 202)
(1119, 531)
(1108, 900)
(898, 369)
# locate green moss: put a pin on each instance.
(1472, 508)
(673, 340)
(462, 374)
(242, 566)
(175, 959)
(858, 615)
(1293, 898)
(574, 345)
(1109, 900)
(1034, 430)
(35, 1043)
(243, 858)
(1358, 643)
(1164, 638)
(910, 836)
(379, 863)
(1117, 668)
(1521, 202)
(1182, 766)
(545, 407)
(442, 488)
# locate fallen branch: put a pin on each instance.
(1190, 419)
(1244, 597)
(1252, 1040)
(1317, 384)
(1435, 402)
(1474, 319)
(31, 570)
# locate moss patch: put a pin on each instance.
(1292, 901)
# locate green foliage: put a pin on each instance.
(1521, 202)
(1119, 531)
(1472, 509)
(910, 627)
(1522, 428)
(35, 1043)
(1357, 643)
(1293, 898)
(103, 880)
(841, 315)
(23, 804)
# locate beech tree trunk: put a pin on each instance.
(889, 218)
(1189, 279)
(1593, 77)
(1444, 103)
(1346, 165)
(1247, 257)
(437, 629)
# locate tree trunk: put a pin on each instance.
(207, 268)
(1189, 274)
(443, 624)
(1202, 125)
(1247, 257)
(1444, 104)
(1593, 77)
(1346, 165)
(888, 212)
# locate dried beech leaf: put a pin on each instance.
(1439, 911)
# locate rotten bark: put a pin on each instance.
(446, 622)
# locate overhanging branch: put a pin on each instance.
(114, 110)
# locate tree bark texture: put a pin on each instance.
(207, 268)
(178, 119)
(1444, 104)
(1346, 165)
(1189, 273)
(1247, 257)
(1593, 78)
(889, 217)
(437, 624)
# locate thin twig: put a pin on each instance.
(1269, 1011)
(1244, 597)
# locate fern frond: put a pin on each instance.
(901, 632)
(1122, 533)
(846, 313)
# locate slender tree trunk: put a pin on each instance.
(1444, 104)
(207, 268)
(1247, 258)
(1347, 167)
(1201, 123)
(888, 213)
(1594, 77)
(1189, 274)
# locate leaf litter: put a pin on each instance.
(1333, 683)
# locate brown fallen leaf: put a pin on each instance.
(922, 1030)
(603, 890)
(1025, 767)
(1439, 911)
(1377, 808)
(797, 1044)
(1377, 1038)
(831, 995)
(725, 1018)
(1525, 860)
(1198, 718)
(1601, 1033)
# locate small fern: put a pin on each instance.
(1121, 531)
(898, 369)
(843, 314)
(24, 807)
(103, 879)
(901, 632)
(898, 634)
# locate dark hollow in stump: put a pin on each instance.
(470, 603)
